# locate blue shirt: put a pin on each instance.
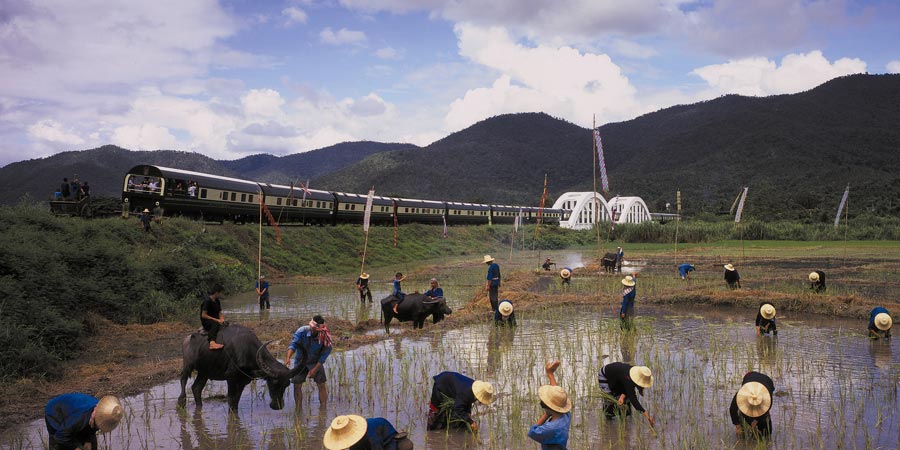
(265, 285)
(553, 434)
(315, 352)
(436, 292)
(628, 300)
(379, 436)
(684, 269)
(493, 274)
(875, 312)
(397, 289)
(68, 418)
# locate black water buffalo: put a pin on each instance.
(243, 359)
(609, 262)
(414, 308)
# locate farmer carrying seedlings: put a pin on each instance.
(620, 384)
(452, 398)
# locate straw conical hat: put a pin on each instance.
(565, 273)
(364, 276)
(483, 391)
(813, 277)
(753, 399)
(628, 281)
(883, 321)
(505, 308)
(641, 376)
(487, 259)
(344, 432)
(555, 398)
(767, 311)
(729, 267)
(108, 413)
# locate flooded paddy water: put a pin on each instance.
(834, 387)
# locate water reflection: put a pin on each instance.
(881, 353)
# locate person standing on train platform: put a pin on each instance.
(262, 292)
(492, 283)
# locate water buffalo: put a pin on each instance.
(243, 359)
(609, 262)
(414, 308)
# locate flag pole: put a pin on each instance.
(677, 221)
(596, 203)
(366, 216)
(846, 220)
(259, 241)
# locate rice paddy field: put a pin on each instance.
(835, 388)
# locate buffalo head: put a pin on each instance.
(277, 376)
(438, 309)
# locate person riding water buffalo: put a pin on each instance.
(211, 316)
(505, 314)
(397, 292)
(880, 323)
(313, 341)
(765, 320)
(620, 383)
(357, 433)
(732, 277)
(817, 281)
(750, 406)
(73, 420)
(362, 285)
(552, 429)
(452, 398)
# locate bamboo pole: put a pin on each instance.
(259, 241)
(595, 194)
(846, 220)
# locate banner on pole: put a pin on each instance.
(604, 181)
(445, 225)
(270, 218)
(740, 207)
(837, 218)
(678, 201)
(367, 216)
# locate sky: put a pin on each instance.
(233, 78)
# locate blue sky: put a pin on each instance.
(234, 78)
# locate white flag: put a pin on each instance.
(740, 209)
(837, 218)
(368, 214)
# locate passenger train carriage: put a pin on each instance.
(175, 192)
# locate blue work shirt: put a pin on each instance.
(553, 434)
(628, 300)
(493, 274)
(684, 269)
(397, 289)
(436, 292)
(68, 418)
(315, 352)
(878, 310)
(379, 436)
(265, 285)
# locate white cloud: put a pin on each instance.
(893, 67)
(370, 105)
(342, 37)
(263, 103)
(631, 49)
(387, 53)
(53, 131)
(293, 16)
(145, 137)
(761, 76)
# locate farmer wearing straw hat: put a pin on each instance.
(262, 292)
(629, 292)
(817, 281)
(880, 323)
(619, 382)
(145, 219)
(505, 315)
(552, 429)
(362, 285)
(73, 420)
(732, 278)
(314, 341)
(565, 276)
(492, 283)
(452, 398)
(356, 433)
(750, 406)
(765, 320)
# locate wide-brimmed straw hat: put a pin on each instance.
(729, 267)
(813, 276)
(628, 281)
(483, 391)
(767, 311)
(146, 210)
(753, 399)
(364, 276)
(565, 273)
(108, 413)
(641, 376)
(883, 321)
(344, 432)
(505, 308)
(487, 259)
(555, 398)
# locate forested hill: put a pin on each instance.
(796, 152)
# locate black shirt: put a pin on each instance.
(619, 379)
(213, 308)
(763, 421)
(731, 276)
(362, 282)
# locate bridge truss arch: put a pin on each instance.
(582, 205)
(629, 209)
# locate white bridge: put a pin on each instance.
(583, 205)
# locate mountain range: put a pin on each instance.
(796, 153)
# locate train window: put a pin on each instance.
(278, 201)
(251, 198)
(352, 206)
(234, 196)
(243, 197)
(202, 193)
(224, 196)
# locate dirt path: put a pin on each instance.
(125, 360)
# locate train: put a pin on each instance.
(176, 192)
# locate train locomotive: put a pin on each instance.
(174, 192)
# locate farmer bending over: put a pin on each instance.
(73, 420)
(619, 383)
(732, 277)
(765, 320)
(452, 398)
(356, 433)
(750, 406)
(880, 323)
(314, 342)
(817, 281)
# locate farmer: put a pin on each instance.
(362, 285)
(356, 433)
(732, 278)
(64, 189)
(492, 283)
(817, 281)
(765, 320)
(880, 323)
(750, 406)
(73, 420)
(211, 317)
(145, 219)
(313, 341)
(436, 292)
(629, 292)
(684, 270)
(565, 276)
(504, 316)
(619, 382)
(397, 292)
(452, 398)
(262, 292)
(547, 263)
(552, 429)
(620, 256)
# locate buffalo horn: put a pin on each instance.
(261, 361)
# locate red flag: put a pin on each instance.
(271, 219)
